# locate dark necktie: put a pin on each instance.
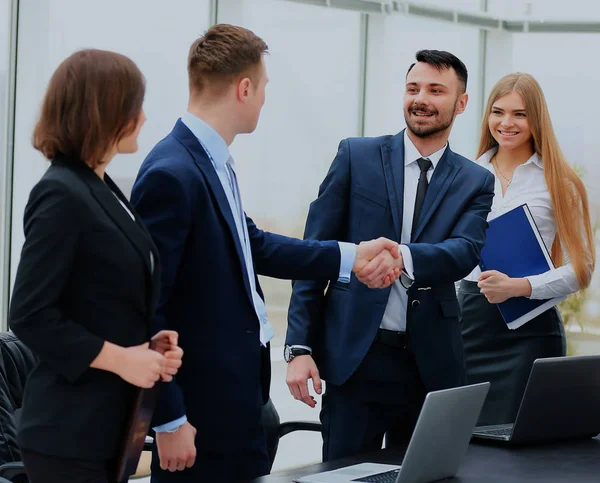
(424, 165)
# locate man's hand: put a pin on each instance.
(498, 287)
(299, 371)
(165, 342)
(177, 450)
(378, 263)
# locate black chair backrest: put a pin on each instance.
(270, 420)
(16, 362)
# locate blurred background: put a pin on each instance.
(336, 70)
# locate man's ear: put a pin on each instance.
(462, 103)
(243, 89)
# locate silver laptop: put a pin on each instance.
(443, 429)
(561, 401)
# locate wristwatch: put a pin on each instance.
(289, 352)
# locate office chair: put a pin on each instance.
(16, 361)
(275, 429)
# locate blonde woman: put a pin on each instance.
(518, 145)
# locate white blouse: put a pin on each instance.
(529, 186)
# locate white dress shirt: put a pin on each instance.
(394, 317)
(528, 186)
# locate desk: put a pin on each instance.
(575, 462)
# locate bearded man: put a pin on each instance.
(381, 351)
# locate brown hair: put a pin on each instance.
(567, 191)
(221, 55)
(90, 103)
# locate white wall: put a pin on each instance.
(156, 37)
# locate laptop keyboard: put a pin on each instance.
(387, 477)
(498, 432)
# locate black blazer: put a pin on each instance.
(85, 276)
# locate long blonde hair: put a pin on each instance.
(567, 191)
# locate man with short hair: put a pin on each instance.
(381, 351)
(207, 422)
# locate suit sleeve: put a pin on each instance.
(455, 257)
(283, 257)
(52, 225)
(327, 219)
(160, 199)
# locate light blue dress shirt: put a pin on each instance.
(218, 153)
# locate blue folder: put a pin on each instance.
(515, 247)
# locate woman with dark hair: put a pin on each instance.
(88, 278)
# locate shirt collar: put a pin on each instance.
(211, 141)
(412, 155)
(535, 158)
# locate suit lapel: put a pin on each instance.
(103, 193)
(187, 138)
(444, 174)
(145, 242)
(392, 154)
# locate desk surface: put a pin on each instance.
(574, 462)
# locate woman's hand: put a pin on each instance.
(498, 287)
(165, 342)
(141, 366)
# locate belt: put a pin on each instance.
(392, 338)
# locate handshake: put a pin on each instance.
(378, 263)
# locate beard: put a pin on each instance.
(429, 126)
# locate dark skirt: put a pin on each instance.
(502, 356)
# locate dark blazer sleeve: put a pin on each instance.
(283, 257)
(52, 226)
(327, 219)
(162, 202)
(455, 257)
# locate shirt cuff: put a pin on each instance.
(347, 257)
(537, 283)
(408, 261)
(172, 426)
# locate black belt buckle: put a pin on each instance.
(392, 338)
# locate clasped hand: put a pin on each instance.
(142, 367)
(499, 287)
(378, 263)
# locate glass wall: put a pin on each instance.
(569, 82)
(157, 38)
(314, 100)
(546, 9)
(5, 150)
(393, 42)
(333, 74)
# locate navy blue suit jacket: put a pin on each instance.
(205, 291)
(362, 198)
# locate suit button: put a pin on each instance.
(415, 303)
